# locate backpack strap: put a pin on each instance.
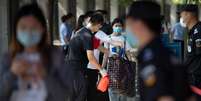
(124, 49)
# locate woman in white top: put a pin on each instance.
(116, 51)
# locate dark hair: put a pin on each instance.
(104, 12)
(154, 25)
(117, 20)
(29, 10)
(96, 19)
(80, 22)
(148, 12)
(192, 8)
(89, 14)
(69, 15)
(63, 18)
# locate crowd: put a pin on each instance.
(93, 62)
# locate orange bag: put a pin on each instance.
(103, 84)
(196, 90)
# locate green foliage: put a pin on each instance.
(125, 2)
(186, 1)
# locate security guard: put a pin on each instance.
(161, 76)
(189, 14)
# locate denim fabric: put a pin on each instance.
(115, 96)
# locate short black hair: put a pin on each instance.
(192, 8)
(117, 20)
(96, 19)
(69, 15)
(64, 18)
(104, 12)
(89, 14)
(149, 12)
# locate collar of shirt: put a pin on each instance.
(191, 31)
(90, 32)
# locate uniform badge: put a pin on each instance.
(189, 48)
(148, 75)
(198, 43)
(148, 55)
(195, 31)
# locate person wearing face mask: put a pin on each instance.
(31, 70)
(81, 52)
(87, 16)
(115, 51)
(189, 14)
(161, 77)
(65, 31)
(93, 76)
(178, 31)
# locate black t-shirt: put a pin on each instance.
(194, 50)
(160, 73)
(79, 45)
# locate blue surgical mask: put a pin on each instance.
(117, 29)
(131, 38)
(29, 39)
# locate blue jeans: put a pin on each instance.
(115, 96)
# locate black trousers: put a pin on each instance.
(75, 81)
(92, 93)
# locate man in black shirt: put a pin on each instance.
(189, 14)
(80, 53)
(79, 45)
(161, 76)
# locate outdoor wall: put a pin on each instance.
(114, 7)
(3, 26)
(100, 4)
(81, 7)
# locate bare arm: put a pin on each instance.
(92, 59)
(105, 57)
(105, 60)
(103, 49)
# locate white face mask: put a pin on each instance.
(88, 25)
(182, 22)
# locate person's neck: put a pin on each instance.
(89, 26)
(145, 40)
(115, 34)
(192, 24)
(31, 49)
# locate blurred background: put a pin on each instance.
(54, 9)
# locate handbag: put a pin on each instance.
(103, 84)
(121, 73)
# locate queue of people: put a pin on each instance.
(93, 64)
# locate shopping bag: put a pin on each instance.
(103, 84)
